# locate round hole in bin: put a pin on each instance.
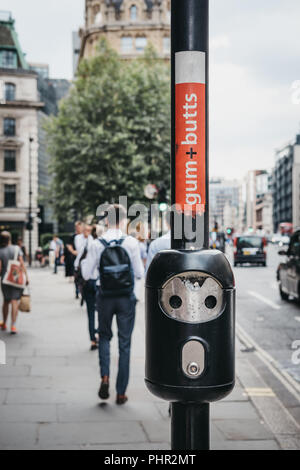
(175, 302)
(210, 302)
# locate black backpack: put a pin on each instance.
(116, 274)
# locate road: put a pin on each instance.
(270, 326)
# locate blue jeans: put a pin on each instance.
(89, 295)
(56, 264)
(124, 309)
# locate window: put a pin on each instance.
(10, 92)
(133, 13)
(9, 160)
(140, 44)
(166, 44)
(127, 44)
(8, 59)
(294, 248)
(10, 193)
(9, 127)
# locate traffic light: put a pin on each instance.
(162, 199)
(229, 231)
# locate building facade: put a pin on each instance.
(259, 201)
(128, 25)
(19, 108)
(226, 208)
(286, 185)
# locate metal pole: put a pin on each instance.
(189, 166)
(30, 202)
(190, 426)
(190, 61)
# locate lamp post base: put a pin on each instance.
(190, 429)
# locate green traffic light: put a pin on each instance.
(163, 206)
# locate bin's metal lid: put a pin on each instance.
(168, 263)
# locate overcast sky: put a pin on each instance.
(255, 58)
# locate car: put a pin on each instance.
(284, 241)
(250, 249)
(288, 272)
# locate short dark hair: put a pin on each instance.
(115, 214)
(5, 239)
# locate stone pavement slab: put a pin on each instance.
(48, 390)
(28, 414)
(105, 432)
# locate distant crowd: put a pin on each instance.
(106, 265)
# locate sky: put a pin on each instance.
(254, 62)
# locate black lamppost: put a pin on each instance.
(29, 224)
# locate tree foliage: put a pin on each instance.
(112, 133)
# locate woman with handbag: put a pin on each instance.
(14, 278)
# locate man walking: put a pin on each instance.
(118, 259)
(87, 288)
(57, 246)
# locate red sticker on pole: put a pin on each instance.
(190, 132)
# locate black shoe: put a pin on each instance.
(104, 390)
(121, 399)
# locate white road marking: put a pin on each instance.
(297, 319)
(284, 377)
(274, 285)
(259, 392)
(264, 300)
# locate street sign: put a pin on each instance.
(190, 130)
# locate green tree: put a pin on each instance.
(112, 133)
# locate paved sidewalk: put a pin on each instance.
(48, 389)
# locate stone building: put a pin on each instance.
(259, 204)
(19, 108)
(226, 207)
(128, 25)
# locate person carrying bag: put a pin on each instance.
(117, 258)
(25, 302)
(14, 279)
(15, 274)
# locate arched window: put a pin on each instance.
(10, 91)
(133, 13)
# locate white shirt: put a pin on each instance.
(53, 245)
(130, 244)
(85, 244)
(79, 242)
(161, 243)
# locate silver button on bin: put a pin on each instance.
(193, 359)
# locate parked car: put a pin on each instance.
(250, 249)
(284, 241)
(288, 272)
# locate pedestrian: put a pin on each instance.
(57, 246)
(11, 294)
(23, 248)
(118, 260)
(89, 288)
(161, 243)
(71, 253)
